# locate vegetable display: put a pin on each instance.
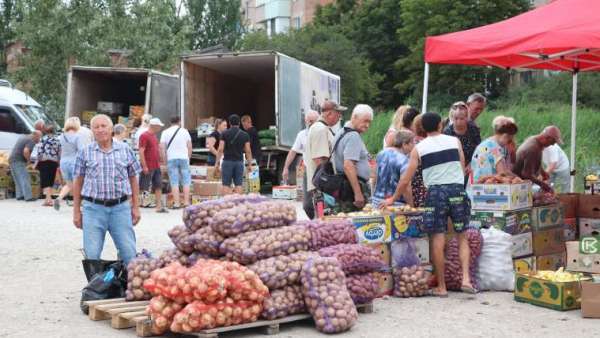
(331, 232)
(363, 288)
(162, 310)
(138, 270)
(411, 281)
(326, 296)
(198, 316)
(280, 271)
(284, 302)
(503, 178)
(252, 246)
(207, 241)
(180, 236)
(544, 198)
(172, 255)
(453, 270)
(200, 215)
(253, 216)
(355, 258)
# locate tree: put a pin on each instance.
(423, 18)
(326, 48)
(10, 14)
(214, 22)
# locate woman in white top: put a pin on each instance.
(71, 142)
(556, 164)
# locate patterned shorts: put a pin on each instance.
(443, 201)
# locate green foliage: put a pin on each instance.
(326, 48)
(215, 22)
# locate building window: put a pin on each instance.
(296, 22)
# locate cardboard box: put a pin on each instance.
(525, 264)
(386, 283)
(560, 296)
(252, 183)
(111, 108)
(551, 262)
(579, 262)
(406, 225)
(512, 222)
(570, 229)
(206, 173)
(522, 245)
(373, 229)
(569, 203)
(589, 227)
(590, 300)
(205, 188)
(36, 191)
(422, 246)
(384, 250)
(547, 217)
(501, 196)
(34, 177)
(196, 199)
(285, 192)
(3, 194)
(589, 206)
(548, 242)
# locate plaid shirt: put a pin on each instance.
(106, 174)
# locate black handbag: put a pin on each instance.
(327, 180)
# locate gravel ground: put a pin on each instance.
(41, 279)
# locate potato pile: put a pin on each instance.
(200, 215)
(253, 216)
(355, 258)
(138, 270)
(326, 296)
(252, 246)
(162, 310)
(363, 287)
(243, 283)
(453, 270)
(544, 198)
(411, 281)
(503, 178)
(331, 232)
(172, 255)
(206, 241)
(180, 236)
(284, 302)
(280, 271)
(198, 316)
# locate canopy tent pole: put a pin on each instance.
(573, 129)
(425, 88)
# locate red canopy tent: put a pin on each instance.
(562, 36)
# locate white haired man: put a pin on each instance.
(299, 144)
(476, 103)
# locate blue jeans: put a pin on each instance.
(179, 173)
(20, 175)
(67, 169)
(232, 172)
(98, 219)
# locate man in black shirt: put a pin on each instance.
(254, 140)
(232, 146)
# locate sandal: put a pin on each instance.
(162, 211)
(468, 289)
(439, 294)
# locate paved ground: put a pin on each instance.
(41, 278)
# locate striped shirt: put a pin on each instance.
(106, 173)
(440, 159)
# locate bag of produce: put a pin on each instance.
(194, 257)
(411, 281)
(200, 215)
(404, 253)
(453, 270)
(243, 283)
(169, 282)
(495, 267)
(252, 246)
(253, 216)
(284, 302)
(207, 241)
(355, 258)
(198, 316)
(180, 236)
(280, 271)
(172, 255)
(363, 287)
(331, 232)
(267, 133)
(138, 270)
(326, 296)
(162, 311)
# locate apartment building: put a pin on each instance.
(278, 16)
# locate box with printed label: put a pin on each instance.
(512, 222)
(386, 283)
(579, 262)
(570, 229)
(589, 227)
(406, 225)
(501, 196)
(373, 229)
(569, 203)
(522, 245)
(549, 241)
(588, 206)
(422, 246)
(551, 262)
(400, 248)
(525, 264)
(547, 217)
(560, 296)
(285, 192)
(205, 188)
(384, 251)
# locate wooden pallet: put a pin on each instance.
(122, 314)
(269, 327)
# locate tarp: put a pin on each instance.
(563, 35)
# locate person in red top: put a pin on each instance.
(150, 159)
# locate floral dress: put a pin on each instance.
(418, 186)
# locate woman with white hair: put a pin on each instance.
(71, 141)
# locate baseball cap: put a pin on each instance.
(332, 105)
(155, 121)
(554, 133)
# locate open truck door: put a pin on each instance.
(164, 96)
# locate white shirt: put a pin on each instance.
(87, 136)
(178, 148)
(440, 160)
(300, 143)
(554, 154)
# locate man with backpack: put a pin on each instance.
(176, 147)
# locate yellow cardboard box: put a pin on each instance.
(525, 264)
(559, 296)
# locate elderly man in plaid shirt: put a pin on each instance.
(105, 179)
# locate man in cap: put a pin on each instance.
(150, 159)
(319, 141)
(529, 156)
